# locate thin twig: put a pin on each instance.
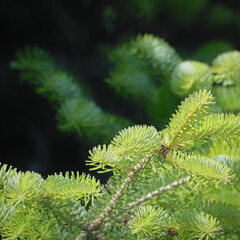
(107, 211)
(159, 191)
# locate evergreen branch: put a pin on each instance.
(131, 207)
(152, 194)
(227, 214)
(75, 111)
(226, 68)
(28, 222)
(5, 174)
(158, 52)
(5, 210)
(190, 112)
(228, 98)
(130, 77)
(73, 186)
(32, 61)
(229, 148)
(100, 158)
(149, 221)
(58, 86)
(197, 225)
(81, 115)
(223, 125)
(229, 196)
(66, 211)
(21, 187)
(17, 226)
(231, 163)
(134, 143)
(227, 79)
(107, 211)
(190, 76)
(226, 62)
(202, 167)
(138, 68)
(126, 148)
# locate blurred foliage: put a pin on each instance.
(208, 51)
(191, 47)
(75, 111)
(78, 35)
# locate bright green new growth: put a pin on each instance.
(34, 208)
(188, 117)
(201, 166)
(24, 187)
(163, 186)
(73, 187)
(149, 222)
(181, 145)
(126, 149)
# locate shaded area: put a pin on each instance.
(78, 35)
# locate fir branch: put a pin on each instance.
(227, 214)
(27, 187)
(76, 112)
(226, 68)
(228, 98)
(81, 115)
(220, 146)
(68, 212)
(73, 186)
(158, 52)
(131, 207)
(222, 125)
(190, 76)
(202, 167)
(126, 148)
(28, 222)
(5, 210)
(190, 112)
(130, 76)
(149, 221)
(157, 192)
(58, 86)
(227, 62)
(107, 211)
(197, 225)
(6, 172)
(33, 61)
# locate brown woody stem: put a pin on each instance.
(159, 191)
(127, 182)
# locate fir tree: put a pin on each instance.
(169, 184)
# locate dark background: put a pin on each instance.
(77, 34)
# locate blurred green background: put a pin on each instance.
(79, 35)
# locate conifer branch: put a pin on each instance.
(190, 76)
(193, 109)
(218, 125)
(130, 208)
(159, 191)
(202, 167)
(107, 211)
(75, 111)
(202, 148)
